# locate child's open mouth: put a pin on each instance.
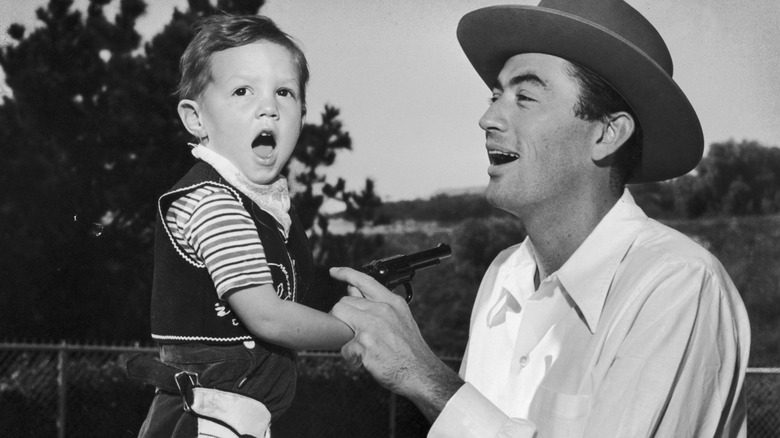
(264, 144)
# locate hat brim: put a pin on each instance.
(672, 136)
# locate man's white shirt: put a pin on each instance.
(640, 333)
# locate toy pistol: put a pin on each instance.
(396, 270)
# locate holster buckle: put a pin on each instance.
(186, 380)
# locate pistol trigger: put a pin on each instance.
(409, 292)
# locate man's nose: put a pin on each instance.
(492, 119)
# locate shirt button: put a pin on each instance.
(523, 361)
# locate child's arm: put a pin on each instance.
(287, 323)
(210, 221)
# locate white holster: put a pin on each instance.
(223, 414)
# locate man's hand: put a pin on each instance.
(389, 345)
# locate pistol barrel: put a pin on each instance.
(429, 257)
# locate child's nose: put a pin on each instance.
(267, 108)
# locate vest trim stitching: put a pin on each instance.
(200, 338)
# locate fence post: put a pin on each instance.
(62, 389)
(392, 412)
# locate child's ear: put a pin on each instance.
(189, 113)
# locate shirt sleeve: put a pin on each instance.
(217, 228)
(468, 414)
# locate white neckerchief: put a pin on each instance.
(273, 198)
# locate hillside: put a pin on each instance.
(452, 207)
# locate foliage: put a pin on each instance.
(90, 139)
(317, 147)
(442, 208)
(478, 242)
(740, 179)
(732, 179)
(78, 135)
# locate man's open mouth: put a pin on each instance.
(263, 145)
(498, 157)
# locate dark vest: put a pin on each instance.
(185, 306)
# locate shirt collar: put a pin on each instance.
(517, 273)
(588, 273)
(512, 284)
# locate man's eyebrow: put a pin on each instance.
(521, 78)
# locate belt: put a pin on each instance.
(152, 371)
(242, 415)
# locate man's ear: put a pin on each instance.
(189, 113)
(616, 130)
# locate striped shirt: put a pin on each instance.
(212, 227)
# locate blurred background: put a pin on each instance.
(390, 161)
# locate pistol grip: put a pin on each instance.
(409, 292)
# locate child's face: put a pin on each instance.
(251, 111)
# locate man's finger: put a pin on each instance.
(352, 291)
(366, 284)
(351, 352)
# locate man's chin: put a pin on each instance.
(493, 195)
(500, 198)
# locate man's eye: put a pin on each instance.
(523, 98)
(494, 98)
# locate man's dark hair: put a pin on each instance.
(223, 31)
(597, 101)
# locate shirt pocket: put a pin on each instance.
(558, 414)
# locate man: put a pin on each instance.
(603, 322)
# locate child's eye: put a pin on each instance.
(241, 91)
(285, 92)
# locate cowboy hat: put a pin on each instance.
(613, 40)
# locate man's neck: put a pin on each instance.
(557, 232)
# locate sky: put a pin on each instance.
(411, 101)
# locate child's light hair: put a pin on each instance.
(223, 31)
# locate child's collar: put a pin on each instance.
(273, 198)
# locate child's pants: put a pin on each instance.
(224, 373)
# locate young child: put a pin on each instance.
(230, 257)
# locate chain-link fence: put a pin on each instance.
(66, 390)
(762, 389)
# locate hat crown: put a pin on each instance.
(619, 18)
